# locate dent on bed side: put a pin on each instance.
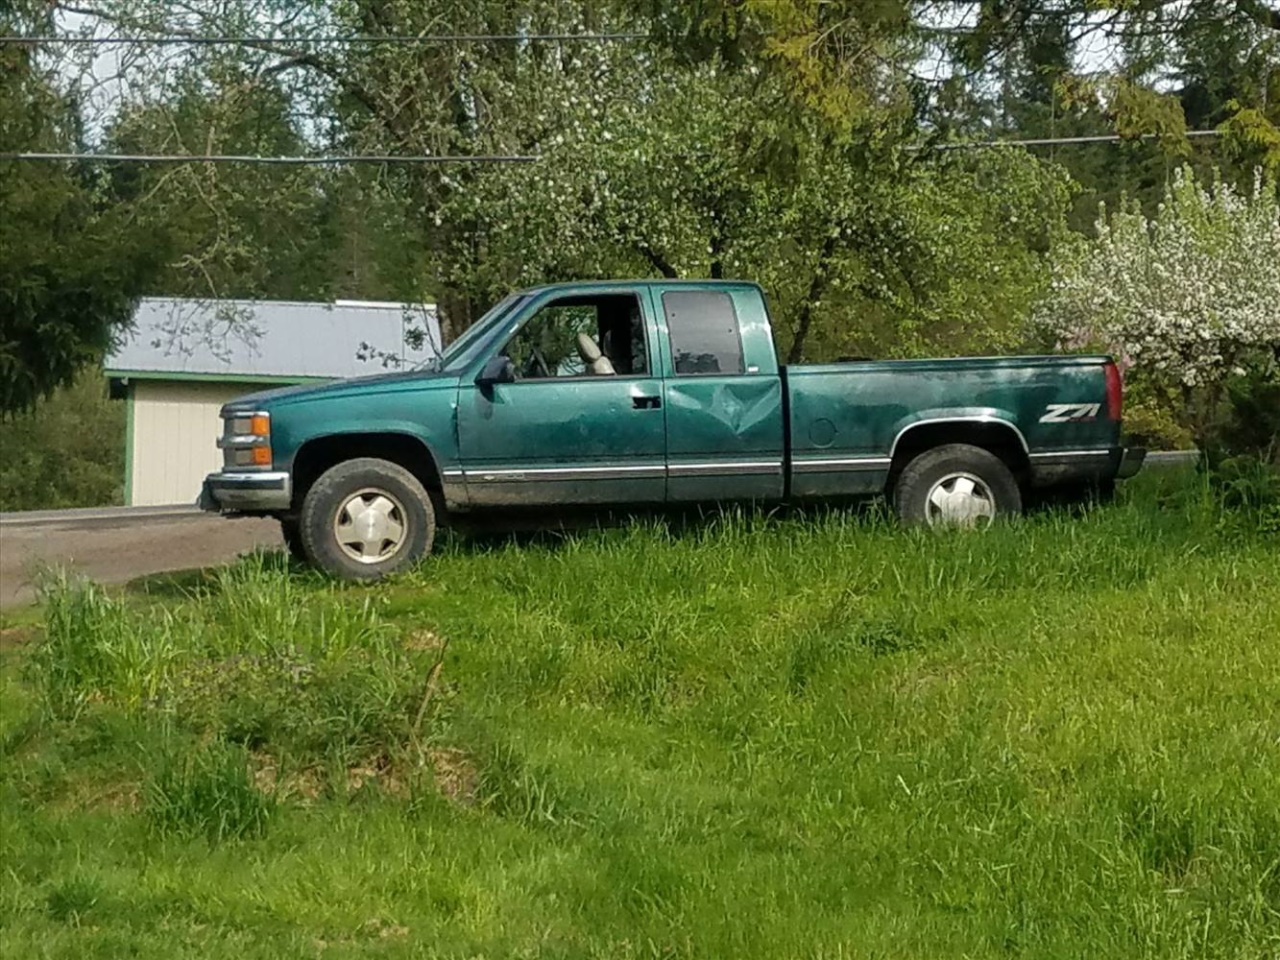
(740, 406)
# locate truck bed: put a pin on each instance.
(847, 420)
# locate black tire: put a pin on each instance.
(325, 509)
(943, 472)
(291, 533)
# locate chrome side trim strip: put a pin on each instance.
(725, 468)
(627, 471)
(643, 471)
(840, 464)
(1069, 454)
(1000, 421)
(452, 473)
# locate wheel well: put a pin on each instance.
(316, 456)
(998, 438)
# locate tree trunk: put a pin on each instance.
(817, 286)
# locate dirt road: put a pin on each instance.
(118, 548)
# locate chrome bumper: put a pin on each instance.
(266, 492)
(1131, 462)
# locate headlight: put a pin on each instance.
(246, 440)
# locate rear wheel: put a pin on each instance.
(366, 518)
(956, 485)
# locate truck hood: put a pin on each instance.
(377, 383)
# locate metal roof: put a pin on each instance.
(273, 339)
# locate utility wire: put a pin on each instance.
(282, 161)
(340, 159)
(225, 41)
(1060, 141)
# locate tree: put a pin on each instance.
(711, 173)
(67, 451)
(1187, 297)
(71, 268)
(769, 141)
(1135, 67)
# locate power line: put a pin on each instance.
(1061, 141)
(222, 41)
(395, 158)
(333, 160)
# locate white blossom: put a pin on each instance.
(1186, 293)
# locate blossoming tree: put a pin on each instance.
(1187, 297)
(1189, 293)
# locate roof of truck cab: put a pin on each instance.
(635, 282)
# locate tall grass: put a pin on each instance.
(814, 736)
(207, 791)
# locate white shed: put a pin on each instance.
(184, 359)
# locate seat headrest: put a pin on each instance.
(588, 349)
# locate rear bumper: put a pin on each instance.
(1131, 460)
(1067, 467)
(267, 492)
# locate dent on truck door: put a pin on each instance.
(724, 418)
(583, 423)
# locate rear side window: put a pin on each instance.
(703, 329)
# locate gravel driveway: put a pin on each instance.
(115, 546)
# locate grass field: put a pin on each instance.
(806, 737)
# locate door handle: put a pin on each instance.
(646, 403)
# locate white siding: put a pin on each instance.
(175, 432)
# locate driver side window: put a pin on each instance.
(581, 337)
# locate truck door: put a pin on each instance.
(723, 394)
(582, 422)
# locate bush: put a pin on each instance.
(1251, 425)
(1151, 416)
(67, 452)
(1243, 452)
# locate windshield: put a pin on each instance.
(463, 351)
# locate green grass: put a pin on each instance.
(810, 737)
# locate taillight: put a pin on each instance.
(1115, 390)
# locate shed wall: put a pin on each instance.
(173, 438)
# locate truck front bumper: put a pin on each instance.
(265, 492)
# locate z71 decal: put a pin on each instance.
(1070, 412)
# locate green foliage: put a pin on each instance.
(747, 737)
(206, 791)
(1250, 484)
(1252, 422)
(1244, 452)
(1186, 298)
(862, 247)
(767, 144)
(293, 233)
(70, 900)
(316, 683)
(66, 452)
(1154, 415)
(71, 268)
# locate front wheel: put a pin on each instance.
(366, 518)
(956, 485)
(291, 533)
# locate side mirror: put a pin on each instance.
(497, 369)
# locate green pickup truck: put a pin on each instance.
(653, 392)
